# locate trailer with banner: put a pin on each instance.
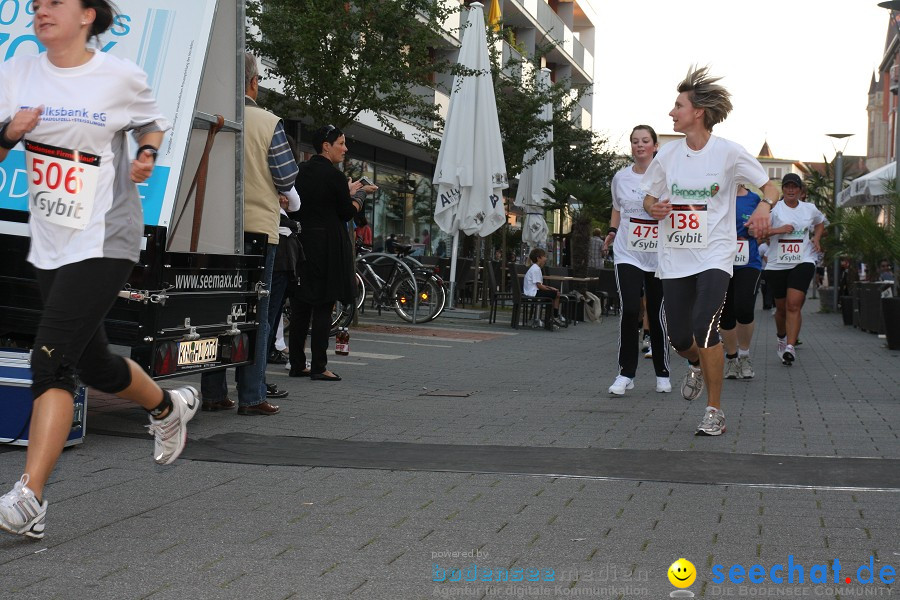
(190, 304)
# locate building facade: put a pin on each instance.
(403, 171)
(881, 107)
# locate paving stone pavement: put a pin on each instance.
(120, 526)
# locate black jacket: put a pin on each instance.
(328, 272)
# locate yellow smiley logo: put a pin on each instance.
(682, 573)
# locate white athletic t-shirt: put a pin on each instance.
(699, 234)
(532, 277)
(787, 250)
(82, 201)
(636, 241)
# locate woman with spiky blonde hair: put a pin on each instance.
(690, 188)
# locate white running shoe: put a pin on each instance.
(648, 353)
(645, 343)
(692, 385)
(782, 346)
(746, 366)
(663, 385)
(789, 356)
(21, 513)
(171, 431)
(621, 384)
(732, 369)
(713, 422)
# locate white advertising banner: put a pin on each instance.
(166, 38)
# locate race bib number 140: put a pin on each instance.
(790, 252)
(62, 184)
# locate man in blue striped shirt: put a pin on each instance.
(269, 170)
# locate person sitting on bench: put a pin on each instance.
(534, 287)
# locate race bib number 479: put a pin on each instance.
(642, 235)
(686, 226)
(62, 184)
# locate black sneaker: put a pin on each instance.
(272, 391)
(278, 357)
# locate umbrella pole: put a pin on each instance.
(503, 260)
(454, 252)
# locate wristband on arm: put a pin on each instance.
(6, 143)
(152, 149)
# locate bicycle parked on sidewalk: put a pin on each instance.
(392, 287)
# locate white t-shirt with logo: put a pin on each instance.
(82, 201)
(532, 277)
(636, 241)
(699, 234)
(787, 250)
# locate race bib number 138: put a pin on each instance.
(686, 226)
(62, 184)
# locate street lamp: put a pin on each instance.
(894, 7)
(838, 184)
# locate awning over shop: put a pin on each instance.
(870, 189)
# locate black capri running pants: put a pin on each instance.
(71, 341)
(693, 308)
(741, 298)
(631, 281)
(796, 278)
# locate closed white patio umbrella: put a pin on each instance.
(471, 169)
(535, 177)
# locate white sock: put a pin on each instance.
(742, 353)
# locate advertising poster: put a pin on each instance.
(166, 38)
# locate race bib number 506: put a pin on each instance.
(62, 184)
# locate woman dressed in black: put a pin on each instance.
(327, 275)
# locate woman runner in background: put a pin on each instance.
(740, 301)
(634, 236)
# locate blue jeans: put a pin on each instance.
(280, 282)
(251, 379)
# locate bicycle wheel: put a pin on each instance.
(360, 291)
(341, 316)
(431, 298)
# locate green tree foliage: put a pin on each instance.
(820, 191)
(855, 231)
(864, 238)
(579, 154)
(337, 59)
(594, 201)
